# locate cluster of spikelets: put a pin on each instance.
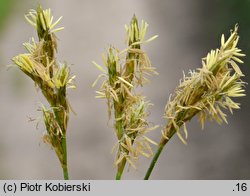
(53, 78)
(208, 90)
(125, 70)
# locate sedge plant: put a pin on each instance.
(206, 92)
(51, 77)
(123, 72)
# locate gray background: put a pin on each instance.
(187, 30)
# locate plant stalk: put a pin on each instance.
(153, 162)
(120, 169)
(65, 163)
(119, 128)
(171, 131)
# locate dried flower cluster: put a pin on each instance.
(126, 70)
(208, 90)
(53, 78)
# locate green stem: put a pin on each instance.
(119, 128)
(153, 162)
(65, 173)
(120, 169)
(122, 164)
(65, 164)
(170, 130)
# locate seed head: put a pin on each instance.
(52, 77)
(207, 91)
(123, 72)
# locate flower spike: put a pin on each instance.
(52, 77)
(123, 72)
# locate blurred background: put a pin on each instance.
(187, 30)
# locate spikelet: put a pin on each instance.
(209, 90)
(53, 78)
(123, 72)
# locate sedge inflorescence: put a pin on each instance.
(208, 90)
(124, 71)
(52, 77)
